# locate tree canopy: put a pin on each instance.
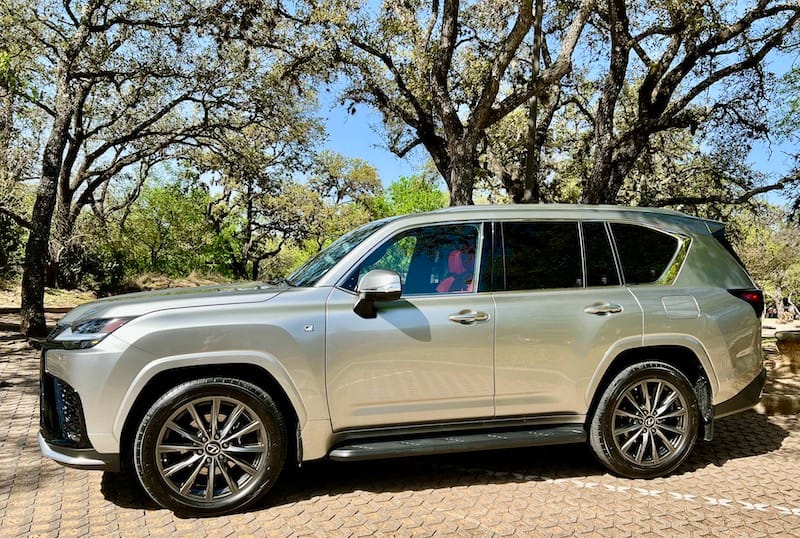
(165, 120)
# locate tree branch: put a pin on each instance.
(481, 113)
(732, 200)
(442, 62)
(18, 220)
(551, 74)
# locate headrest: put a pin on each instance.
(459, 262)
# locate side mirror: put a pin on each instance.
(377, 285)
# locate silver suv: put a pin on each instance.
(463, 329)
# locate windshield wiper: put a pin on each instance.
(281, 282)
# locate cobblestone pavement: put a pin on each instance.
(744, 483)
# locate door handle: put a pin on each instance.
(468, 317)
(602, 309)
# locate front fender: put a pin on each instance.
(266, 362)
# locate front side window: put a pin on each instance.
(429, 260)
(541, 255)
(644, 253)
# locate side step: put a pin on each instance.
(468, 442)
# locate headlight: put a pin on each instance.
(86, 334)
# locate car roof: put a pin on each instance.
(643, 215)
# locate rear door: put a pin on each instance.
(558, 314)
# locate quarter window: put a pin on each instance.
(540, 255)
(644, 253)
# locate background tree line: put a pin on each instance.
(167, 135)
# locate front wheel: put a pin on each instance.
(646, 421)
(210, 446)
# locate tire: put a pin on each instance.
(646, 421)
(196, 466)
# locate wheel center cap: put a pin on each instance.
(649, 422)
(213, 448)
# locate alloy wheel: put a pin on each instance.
(212, 448)
(650, 423)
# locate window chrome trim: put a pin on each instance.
(674, 268)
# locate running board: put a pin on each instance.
(468, 442)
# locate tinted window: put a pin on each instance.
(541, 255)
(433, 259)
(600, 267)
(644, 252)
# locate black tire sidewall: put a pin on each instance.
(601, 436)
(149, 428)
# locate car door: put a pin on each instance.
(556, 317)
(425, 357)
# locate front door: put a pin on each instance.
(426, 357)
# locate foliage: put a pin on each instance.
(166, 231)
(345, 189)
(769, 245)
(263, 210)
(11, 240)
(127, 85)
(662, 107)
(623, 89)
(412, 195)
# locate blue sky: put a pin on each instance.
(359, 135)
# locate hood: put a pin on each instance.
(137, 304)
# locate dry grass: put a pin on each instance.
(152, 281)
(55, 298)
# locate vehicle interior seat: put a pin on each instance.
(461, 269)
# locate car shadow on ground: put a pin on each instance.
(740, 436)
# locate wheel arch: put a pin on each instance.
(681, 357)
(166, 379)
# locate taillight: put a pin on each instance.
(754, 297)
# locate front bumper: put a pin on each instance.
(746, 399)
(62, 426)
(81, 458)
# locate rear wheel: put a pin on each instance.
(210, 446)
(646, 422)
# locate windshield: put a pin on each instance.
(310, 272)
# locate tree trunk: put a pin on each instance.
(36, 252)
(598, 187)
(238, 266)
(6, 127)
(463, 166)
(533, 147)
(779, 302)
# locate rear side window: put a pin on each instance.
(540, 255)
(600, 267)
(644, 253)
